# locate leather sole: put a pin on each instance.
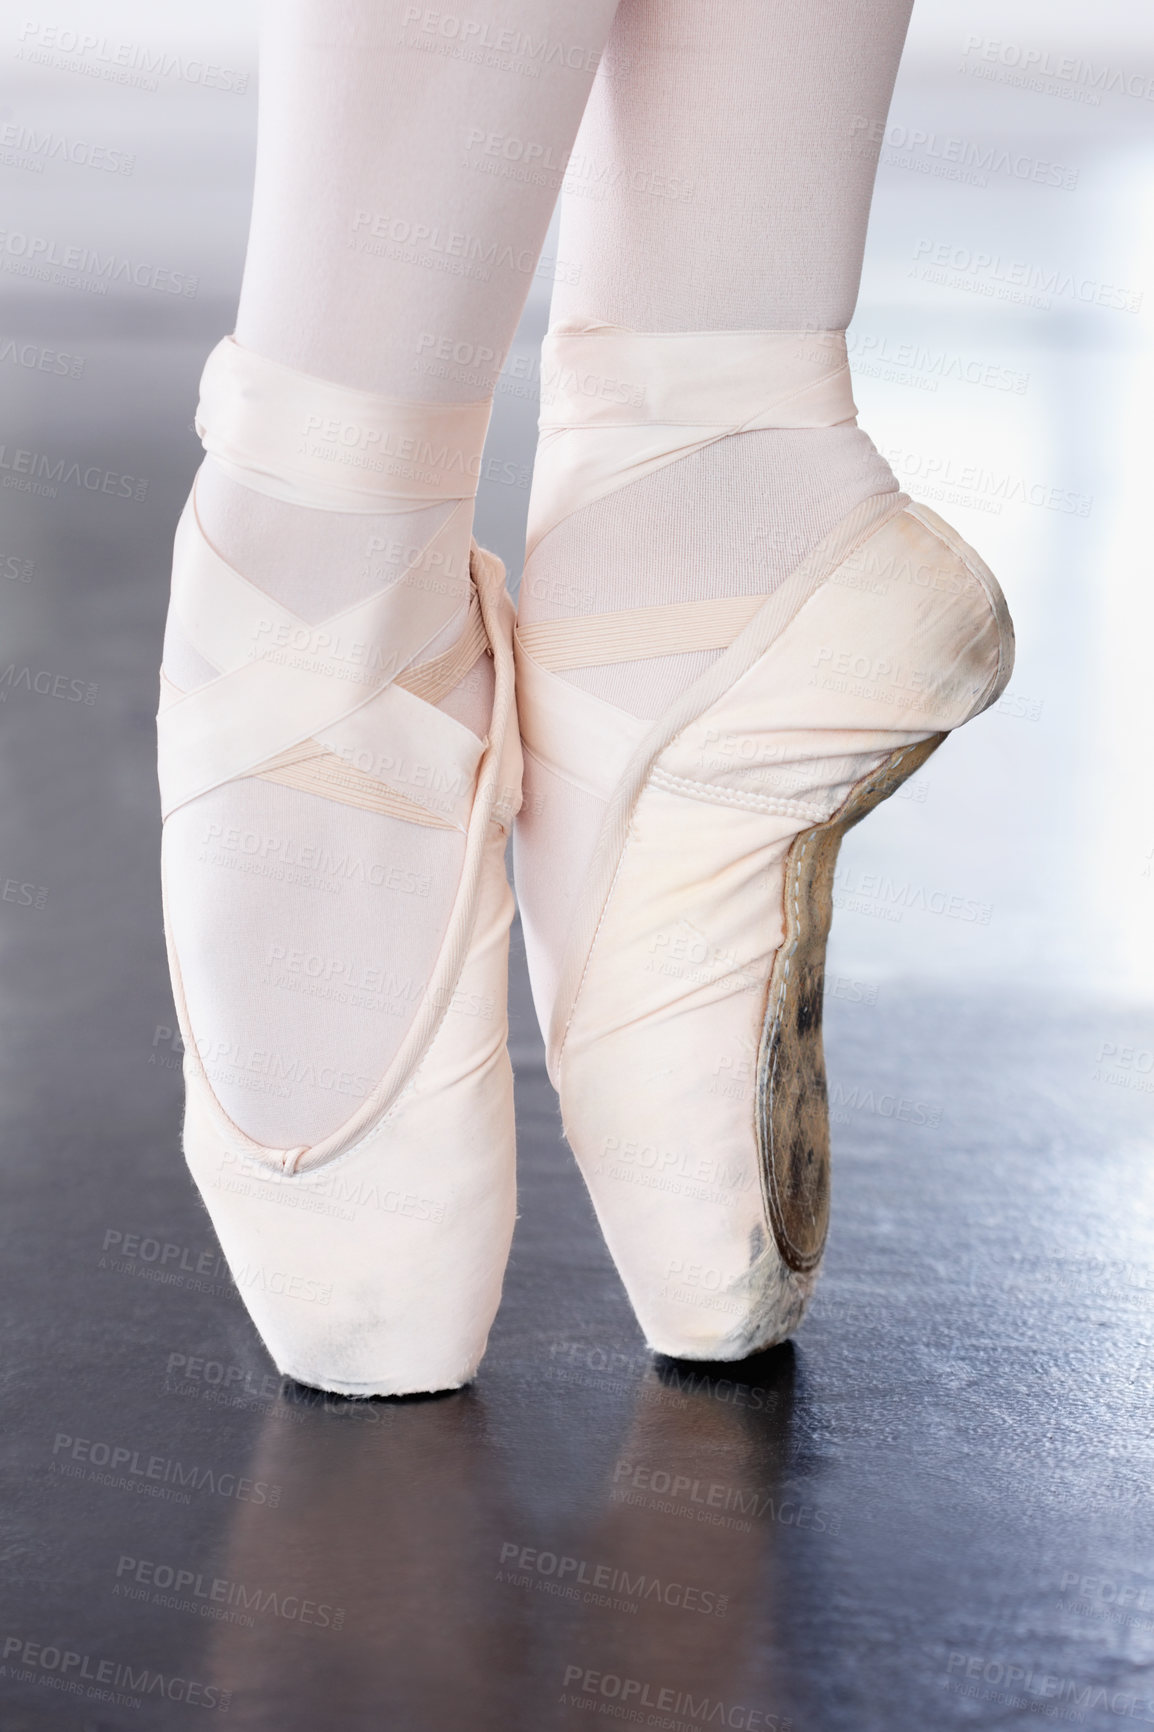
(791, 1108)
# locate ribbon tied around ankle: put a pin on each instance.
(341, 706)
(619, 404)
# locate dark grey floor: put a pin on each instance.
(932, 1511)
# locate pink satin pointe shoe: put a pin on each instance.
(677, 963)
(371, 1260)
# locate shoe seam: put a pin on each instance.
(719, 795)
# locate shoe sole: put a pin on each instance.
(791, 1110)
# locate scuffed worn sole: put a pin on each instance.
(791, 1108)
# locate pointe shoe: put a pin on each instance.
(371, 1262)
(679, 984)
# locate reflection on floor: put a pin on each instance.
(931, 1510)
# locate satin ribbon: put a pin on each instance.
(618, 404)
(309, 442)
(280, 680)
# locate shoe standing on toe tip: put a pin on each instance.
(682, 1002)
(371, 1260)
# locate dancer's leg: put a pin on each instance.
(720, 182)
(736, 637)
(723, 180)
(407, 168)
(723, 183)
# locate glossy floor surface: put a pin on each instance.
(934, 1509)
